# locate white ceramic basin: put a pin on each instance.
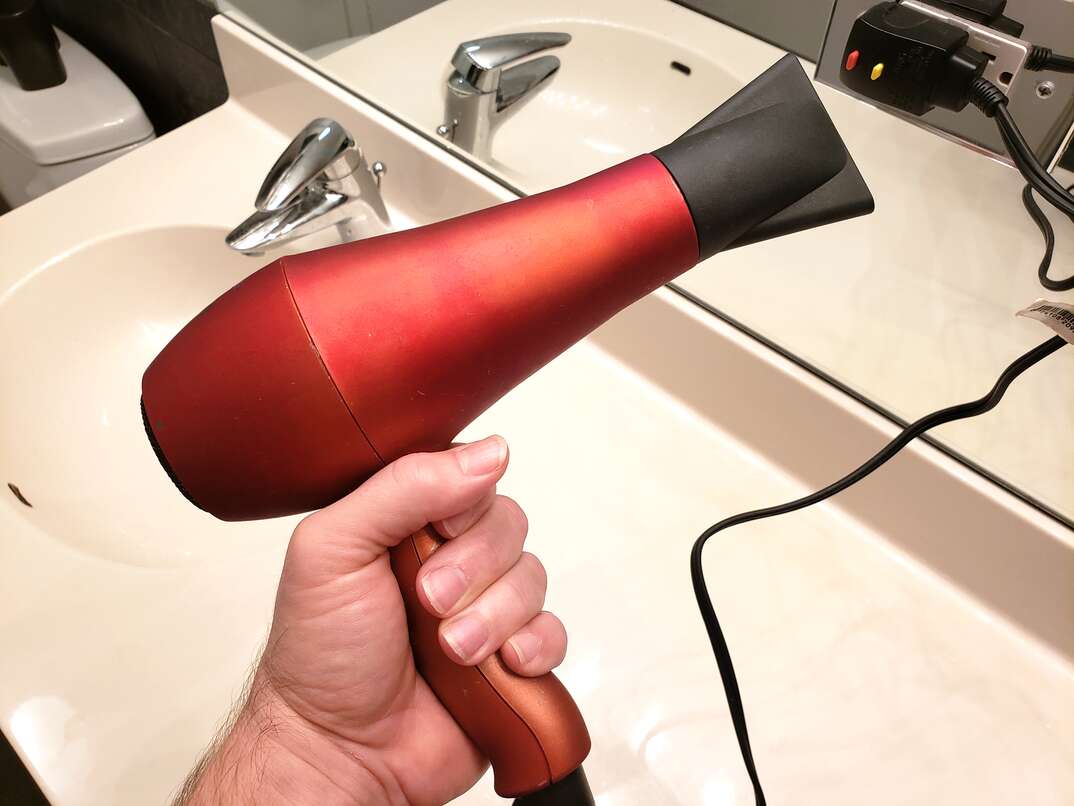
(627, 83)
(71, 434)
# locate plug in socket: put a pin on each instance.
(1006, 54)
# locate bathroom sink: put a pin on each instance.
(75, 453)
(78, 333)
(629, 81)
(130, 620)
(85, 307)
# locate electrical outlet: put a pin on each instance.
(1041, 102)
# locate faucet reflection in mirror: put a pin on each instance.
(488, 85)
(320, 180)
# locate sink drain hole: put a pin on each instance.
(15, 491)
(682, 68)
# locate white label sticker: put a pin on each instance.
(1059, 316)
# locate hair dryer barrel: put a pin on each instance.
(298, 383)
(307, 377)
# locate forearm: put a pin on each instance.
(268, 755)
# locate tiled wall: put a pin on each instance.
(162, 49)
(794, 25)
(305, 24)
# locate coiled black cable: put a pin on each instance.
(1045, 226)
(704, 601)
(987, 97)
(1027, 163)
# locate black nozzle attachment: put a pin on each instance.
(29, 45)
(767, 162)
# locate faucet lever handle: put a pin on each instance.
(479, 61)
(316, 150)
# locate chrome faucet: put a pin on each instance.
(320, 180)
(488, 85)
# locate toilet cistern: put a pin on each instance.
(53, 135)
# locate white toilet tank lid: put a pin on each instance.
(90, 113)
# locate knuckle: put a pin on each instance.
(520, 590)
(520, 595)
(507, 536)
(514, 513)
(535, 568)
(561, 652)
(556, 637)
(413, 471)
(552, 620)
(305, 531)
(528, 584)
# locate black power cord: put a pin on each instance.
(911, 432)
(987, 97)
(1042, 58)
(1045, 226)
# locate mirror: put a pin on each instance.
(910, 309)
(318, 28)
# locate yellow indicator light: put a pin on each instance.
(878, 70)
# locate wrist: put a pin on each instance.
(270, 754)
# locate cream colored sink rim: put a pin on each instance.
(70, 426)
(115, 675)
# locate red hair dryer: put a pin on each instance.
(308, 376)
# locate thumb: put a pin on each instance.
(403, 497)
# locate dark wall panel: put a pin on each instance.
(794, 25)
(16, 785)
(162, 49)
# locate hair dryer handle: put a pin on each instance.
(529, 727)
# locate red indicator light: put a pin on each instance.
(852, 60)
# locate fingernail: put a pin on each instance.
(443, 587)
(525, 645)
(466, 636)
(481, 458)
(449, 527)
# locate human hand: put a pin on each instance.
(337, 712)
